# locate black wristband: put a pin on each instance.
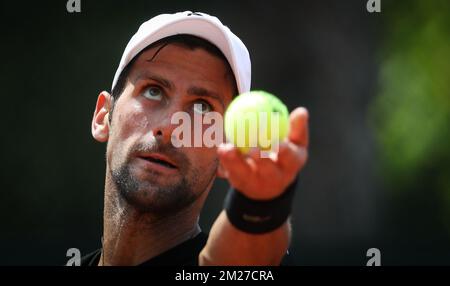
(259, 216)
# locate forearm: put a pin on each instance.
(228, 245)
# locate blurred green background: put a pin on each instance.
(377, 86)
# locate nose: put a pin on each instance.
(163, 128)
(162, 125)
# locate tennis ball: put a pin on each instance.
(256, 119)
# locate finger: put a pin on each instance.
(235, 165)
(263, 166)
(298, 127)
(221, 172)
(291, 158)
(258, 154)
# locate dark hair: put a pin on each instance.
(189, 41)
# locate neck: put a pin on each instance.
(131, 237)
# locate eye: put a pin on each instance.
(153, 93)
(202, 107)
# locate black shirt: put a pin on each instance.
(184, 254)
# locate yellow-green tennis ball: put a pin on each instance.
(256, 119)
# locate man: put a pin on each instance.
(154, 192)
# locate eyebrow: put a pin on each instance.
(192, 90)
(164, 82)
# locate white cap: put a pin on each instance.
(197, 24)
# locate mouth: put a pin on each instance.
(159, 159)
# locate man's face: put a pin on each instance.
(148, 171)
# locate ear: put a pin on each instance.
(100, 121)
